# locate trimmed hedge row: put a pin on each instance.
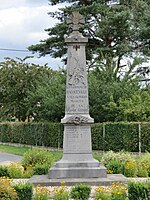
(39, 134)
(108, 136)
(116, 136)
(121, 136)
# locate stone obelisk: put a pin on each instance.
(77, 160)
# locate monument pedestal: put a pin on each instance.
(77, 161)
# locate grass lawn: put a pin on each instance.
(21, 150)
(14, 150)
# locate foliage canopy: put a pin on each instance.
(118, 33)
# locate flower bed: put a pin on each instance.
(123, 163)
(117, 191)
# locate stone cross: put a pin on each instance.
(75, 21)
(77, 160)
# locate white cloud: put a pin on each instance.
(22, 23)
(18, 24)
(34, 36)
(18, 3)
(11, 3)
(54, 63)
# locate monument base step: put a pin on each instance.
(43, 180)
(77, 172)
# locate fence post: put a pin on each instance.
(103, 136)
(139, 139)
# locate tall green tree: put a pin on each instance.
(118, 34)
(119, 44)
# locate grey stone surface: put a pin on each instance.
(77, 172)
(77, 160)
(6, 157)
(43, 180)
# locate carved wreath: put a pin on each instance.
(77, 119)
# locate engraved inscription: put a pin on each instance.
(77, 101)
(76, 137)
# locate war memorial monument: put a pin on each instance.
(77, 161)
(77, 164)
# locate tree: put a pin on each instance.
(28, 89)
(117, 32)
(47, 102)
(17, 79)
(105, 95)
(119, 44)
(137, 107)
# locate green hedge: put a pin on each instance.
(121, 136)
(115, 136)
(145, 137)
(41, 134)
(108, 136)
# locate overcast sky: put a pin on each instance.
(22, 23)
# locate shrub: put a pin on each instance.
(41, 193)
(28, 172)
(142, 169)
(80, 192)
(61, 194)
(139, 190)
(40, 169)
(102, 194)
(15, 170)
(116, 167)
(24, 191)
(4, 171)
(37, 156)
(130, 168)
(145, 160)
(120, 162)
(117, 191)
(6, 190)
(120, 156)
